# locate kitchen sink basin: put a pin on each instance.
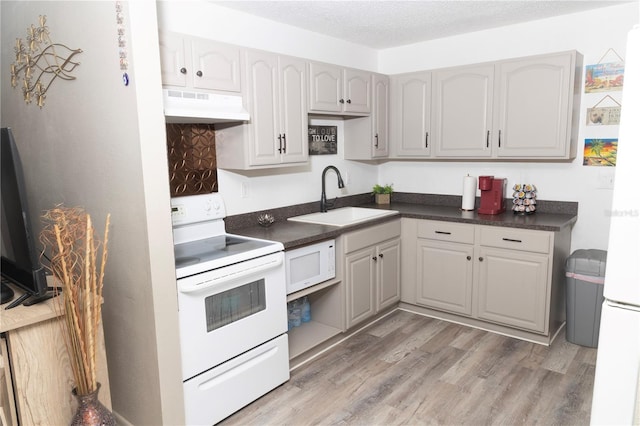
(344, 216)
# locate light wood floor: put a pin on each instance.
(412, 370)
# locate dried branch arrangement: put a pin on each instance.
(69, 234)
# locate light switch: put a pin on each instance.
(605, 178)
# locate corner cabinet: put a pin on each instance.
(367, 138)
(276, 134)
(507, 280)
(380, 116)
(337, 90)
(411, 115)
(191, 62)
(515, 109)
(371, 270)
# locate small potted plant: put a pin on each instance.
(383, 193)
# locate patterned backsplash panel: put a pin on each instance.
(192, 159)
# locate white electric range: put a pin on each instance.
(232, 311)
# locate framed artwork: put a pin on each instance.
(323, 140)
(600, 152)
(603, 116)
(604, 77)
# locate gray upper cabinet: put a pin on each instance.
(411, 115)
(462, 111)
(367, 138)
(337, 90)
(191, 62)
(516, 109)
(276, 135)
(534, 114)
(380, 116)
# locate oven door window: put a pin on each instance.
(234, 304)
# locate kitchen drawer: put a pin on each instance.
(446, 231)
(516, 239)
(370, 236)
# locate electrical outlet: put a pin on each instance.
(347, 177)
(244, 190)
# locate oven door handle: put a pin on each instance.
(234, 273)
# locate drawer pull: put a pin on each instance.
(443, 232)
(468, 257)
(512, 240)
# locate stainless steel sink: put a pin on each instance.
(344, 216)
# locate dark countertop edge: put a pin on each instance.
(295, 234)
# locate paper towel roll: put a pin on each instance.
(469, 185)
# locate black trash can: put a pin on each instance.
(585, 283)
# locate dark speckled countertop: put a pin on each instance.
(551, 216)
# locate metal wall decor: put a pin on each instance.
(192, 159)
(38, 63)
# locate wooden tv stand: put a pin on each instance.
(35, 374)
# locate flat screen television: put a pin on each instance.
(20, 256)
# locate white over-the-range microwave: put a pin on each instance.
(310, 265)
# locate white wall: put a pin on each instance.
(99, 144)
(592, 33)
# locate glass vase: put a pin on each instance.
(90, 410)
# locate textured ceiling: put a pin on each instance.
(388, 23)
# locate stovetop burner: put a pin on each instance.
(214, 248)
(200, 241)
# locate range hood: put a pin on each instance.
(184, 106)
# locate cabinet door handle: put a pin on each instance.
(284, 143)
(481, 258)
(199, 73)
(348, 101)
(375, 259)
(280, 144)
(183, 70)
(512, 240)
(381, 255)
(341, 101)
(443, 232)
(499, 138)
(468, 257)
(376, 144)
(426, 140)
(487, 138)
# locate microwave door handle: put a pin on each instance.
(231, 277)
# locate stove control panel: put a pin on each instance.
(197, 208)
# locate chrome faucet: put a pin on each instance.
(324, 204)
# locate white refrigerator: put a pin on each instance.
(616, 394)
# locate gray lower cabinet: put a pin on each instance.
(512, 287)
(509, 277)
(445, 266)
(371, 270)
